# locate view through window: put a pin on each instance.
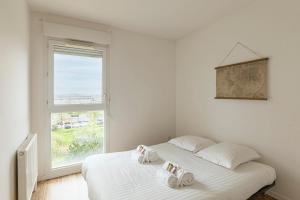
(76, 130)
(76, 135)
(77, 79)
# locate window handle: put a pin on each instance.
(106, 98)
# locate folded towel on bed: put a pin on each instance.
(137, 156)
(171, 167)
(144, 154)
(150, 155)
(167, 178)
(184, 177)
(141, 148)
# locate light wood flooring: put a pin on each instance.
(72, 187)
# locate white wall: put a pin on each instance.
(142, 90)
(272, 127)
(14, 106)
(142, 86)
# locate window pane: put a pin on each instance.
(75, 135)
(77, 79)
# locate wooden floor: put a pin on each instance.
(265, 197)
(72, 187)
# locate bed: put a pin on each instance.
(115, 176)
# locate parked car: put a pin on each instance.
(67, 125)
(100, 121)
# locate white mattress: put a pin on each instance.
(115, 176)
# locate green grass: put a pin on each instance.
(74, 144)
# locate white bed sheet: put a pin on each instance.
(115, 176)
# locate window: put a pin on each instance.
(77, 79)
(76, 135)
(76, 102)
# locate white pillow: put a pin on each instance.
(191, 143)
(228, 155)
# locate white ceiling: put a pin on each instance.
(163, 18)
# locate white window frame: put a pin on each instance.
(72, 107)
(51, 108)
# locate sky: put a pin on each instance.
(77, 75)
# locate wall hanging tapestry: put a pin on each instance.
(244, 80)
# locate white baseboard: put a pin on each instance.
(277, 195)
(59, 172)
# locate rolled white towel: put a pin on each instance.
(137, 156)
(144, 154)
(171, 167)
(167, 178)
(185, 178)
(141, 148)
(150, 155)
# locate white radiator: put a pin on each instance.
(27, 167)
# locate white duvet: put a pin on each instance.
(115, 176)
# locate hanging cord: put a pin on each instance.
(242, 45)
